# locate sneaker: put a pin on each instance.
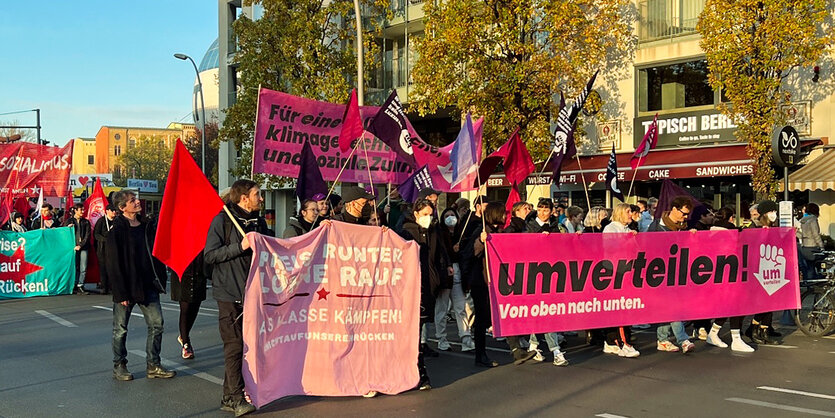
(243, 407)
(702, 334)
(79, 290)
(120, 372)
(370, 394)
(443, 345)
(539, 358)
(715, 341)
(642, 326)
(687, 346)
(739, 346)
(467, 344)
(424, 384)
(559, 360)
(628, 351)
(667, 346)
(610, 349)
(188, 352)
(155, 371)
(520, 356)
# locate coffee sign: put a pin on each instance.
(785, 146)
(689, 128)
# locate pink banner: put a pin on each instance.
(564, 282)
(27, 167)
(333, 312)
(285, 122)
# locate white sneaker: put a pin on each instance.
(687, 346)
(610, 349)
(628, 351)
(467, 344)
(714, 340)
(702, 334)
(740, 346)
(539, 358)
(370, 394)
(443, 345)
(559, 359)
(666, 346)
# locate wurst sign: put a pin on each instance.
(567, 282)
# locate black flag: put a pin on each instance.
(612, 176)
(390, 126)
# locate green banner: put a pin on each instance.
(37, 263)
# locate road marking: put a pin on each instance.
(782, 407)
(608, 415)
(57, 319)
(169, 308)
(179, 367)
(797, 392)
(830, 337)
(778, 346)
(177, 305)
(132, 313)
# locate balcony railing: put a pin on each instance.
(666, 19)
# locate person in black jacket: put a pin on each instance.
(46, 219)
(304, 222)
(545, 220)
(82, 245)
(230, 256)
(100, 231)
(136, 278)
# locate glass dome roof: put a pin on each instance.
(210, 60)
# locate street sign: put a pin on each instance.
(785, 146)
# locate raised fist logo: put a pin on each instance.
(772, 271)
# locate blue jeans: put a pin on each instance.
(152, 311)
(81, 266)
(550, 339)
(664, 332)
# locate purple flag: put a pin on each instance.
(310, 181)
(389, 124)
(612, 176)
(564, 146)
(418, 181)
(670, 191)
(464, 155)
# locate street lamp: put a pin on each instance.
(202, 108)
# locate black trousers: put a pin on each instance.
(230, 324)
(618, 335)
(764, 318)
(481, 313)
(736, 322)
(188, 314)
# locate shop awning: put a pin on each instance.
(819, 174)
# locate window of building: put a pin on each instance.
(131, 143)
(117, 150)
(674, 86)
(117, 137)
(663, 19)
(90, 159)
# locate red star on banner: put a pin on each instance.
(16, 268)
(323, 294)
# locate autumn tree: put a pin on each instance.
(304, 48)
(506, 60)
(751, 47)
(194, 145)
(149, 159)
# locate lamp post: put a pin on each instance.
(202, 108)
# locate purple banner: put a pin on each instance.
(562, 282)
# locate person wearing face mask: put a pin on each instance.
(354, 199)
(417, 227)
(761, 331)
(448, 233)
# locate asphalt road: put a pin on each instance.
(55, 360)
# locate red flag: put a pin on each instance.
(512, 198)
(21, 205)
(649, 142)
(351, 123)
(6, 207)
(95, 204)
(518, 163)
(70, 204)
(189, 204)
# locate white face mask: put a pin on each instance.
(451, 221)
(424, 221)
(772, 216)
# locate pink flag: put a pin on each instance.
(331, 313)
(649, 142)
(439, 164)
(351, 123)
(94, 205)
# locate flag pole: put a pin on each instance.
(582, 176)
(333, 185)
(544, 166)
(234, 221)
(483, 227)
(370, 180)
(634, 172)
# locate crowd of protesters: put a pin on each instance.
(454, 280)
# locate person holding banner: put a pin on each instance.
(760, 331)
(137, 278)
(16, 225)
(545, 220)
(304, 221)
(353, 202)
(45, 219)
(573, 222)
(474, 250)
(619, 339)
(594, 221)
(231, 256)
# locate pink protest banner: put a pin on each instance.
(285, 122)
(333, 312)
(27, 167)
(562, 282)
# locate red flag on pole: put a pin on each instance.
(512, 198)
(649, 142)
(351, 123)
(95, 204)
(518, 163)
(21, 205)
(189, 204)
(70, 204)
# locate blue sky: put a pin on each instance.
(93, 63)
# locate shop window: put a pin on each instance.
(674, 86)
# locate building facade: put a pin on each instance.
(83, 156)
(112, 141)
